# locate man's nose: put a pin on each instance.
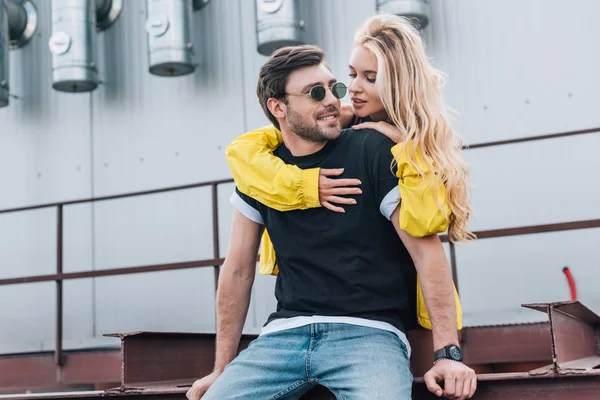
(330, 99)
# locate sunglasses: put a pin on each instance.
(318, 92)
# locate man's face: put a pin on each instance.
(312, 120)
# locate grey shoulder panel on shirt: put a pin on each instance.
(390, 202)
(246, 209)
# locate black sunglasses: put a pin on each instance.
(318, 92)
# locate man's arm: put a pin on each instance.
(235, 285)
(233, 296)
(460, 381)
(436, 280)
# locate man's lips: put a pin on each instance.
(329, 116)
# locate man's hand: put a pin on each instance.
(201, 386)
(331, 189)
(460, 381)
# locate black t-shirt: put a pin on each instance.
(350, 264)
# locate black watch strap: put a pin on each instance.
(451, 352)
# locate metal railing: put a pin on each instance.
(216, 261)
(60, 276)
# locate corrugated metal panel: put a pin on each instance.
(512, 66)
(535, 183)
(515, 66)
(44, 135)
(44, 156)
(496, 276)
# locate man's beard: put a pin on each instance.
(307, 129)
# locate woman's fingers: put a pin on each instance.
(365, 125)
(331, 207)
(342, 191)
(331, 171)
(339, 200)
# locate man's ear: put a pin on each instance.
(276, 107)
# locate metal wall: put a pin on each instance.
(516, 69)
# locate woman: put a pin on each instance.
(397, 92)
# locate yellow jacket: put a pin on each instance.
(284, 187)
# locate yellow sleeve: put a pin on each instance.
(266, 178)
(420, 194)
(267, 264)
(423, 318)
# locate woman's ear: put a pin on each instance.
(277, 107)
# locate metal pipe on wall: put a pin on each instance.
(278, 24)
(3, 58)
(73, 45)
(200, 4)
(169, 28)
(18, 24)
(22, 21)
(73, 41)
(417, 10)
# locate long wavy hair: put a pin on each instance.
(410, 90)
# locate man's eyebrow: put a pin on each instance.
(311, 85)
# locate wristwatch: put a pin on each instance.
(451, 352)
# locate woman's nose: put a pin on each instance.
(354, 87)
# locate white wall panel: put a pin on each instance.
(496, 276)
(518, 68)
(44, 134)
(151, 131)
(171, 301)
(535, 183)
(28, 316)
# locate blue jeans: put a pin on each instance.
(354, 362)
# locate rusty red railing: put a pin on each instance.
(216, 261)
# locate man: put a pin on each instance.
(346, 281)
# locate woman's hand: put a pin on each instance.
(330, 189)
(388, 130)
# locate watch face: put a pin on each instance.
(455, 353)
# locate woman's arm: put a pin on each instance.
(284, 187)
(424, 209)
(266, 178)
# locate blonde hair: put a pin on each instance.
(409, 88)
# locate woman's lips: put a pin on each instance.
(358, 102)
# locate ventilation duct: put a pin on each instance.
(278, 24)
(18, 23)
(417, 10)
(3, 58)
(107, 12)
(169, 28)
(22, 21)
(73, 41)
(199, 4)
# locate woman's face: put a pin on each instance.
(363, 71)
